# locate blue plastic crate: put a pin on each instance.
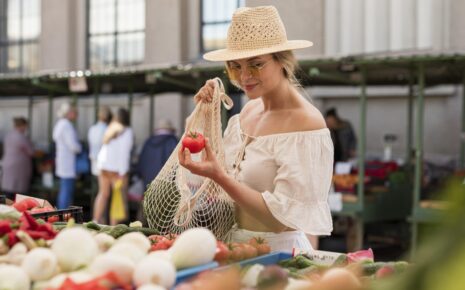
(184, 274)
(269, 259)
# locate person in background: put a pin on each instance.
(156, 150)
(67, 146)
(342, 133)
(113, 161)
(95, 141)
(17, 159)
(95, 136)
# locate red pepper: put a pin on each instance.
(12, 238)
(39, 235)
(5, 227)
(103, 282)
(28, 222)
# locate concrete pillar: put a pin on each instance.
(352, 26)
(163, 31)
(55, 45)
(377, 25)
(403, 24)
(456, 25)
(332, 23)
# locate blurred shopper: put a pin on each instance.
(95, 136)
(113, 161)
(67, 146)
(342, 133)
(17, 161)
(156, 150)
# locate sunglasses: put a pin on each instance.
(234, 70)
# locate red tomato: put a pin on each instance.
(160, 242)
(194, 141)
(261, 245)
(222, 252)
(249, 251)
(20, 206)
(237, 253)
(53, 219)
(30, 202)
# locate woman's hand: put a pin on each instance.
(208, 167)
(205, 94)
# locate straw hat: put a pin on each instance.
(255, 31)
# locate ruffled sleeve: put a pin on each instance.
(302, 182)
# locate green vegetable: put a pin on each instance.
(342, 260)
(92, 226)
(118, 230)
(371, 268)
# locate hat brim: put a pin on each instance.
(227, 54)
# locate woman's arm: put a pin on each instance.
(248, 199)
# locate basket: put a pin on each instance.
(61, 215)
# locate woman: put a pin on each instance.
(17, 162)
(278, 150)
(113, 161)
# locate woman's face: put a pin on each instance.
(256, 75)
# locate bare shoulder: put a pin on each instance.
(307, 118)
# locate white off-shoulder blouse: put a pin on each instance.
(292, 170)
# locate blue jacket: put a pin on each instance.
(156, 151)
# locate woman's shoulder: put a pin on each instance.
(307, 118)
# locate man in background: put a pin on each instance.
(342, 133)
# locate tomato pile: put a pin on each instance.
(225, 252)
(31, 205)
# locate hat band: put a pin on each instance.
(254, 44)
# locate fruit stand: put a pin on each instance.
(41, 253)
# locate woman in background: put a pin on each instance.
(113, 161)
(17, 159)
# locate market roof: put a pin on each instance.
(392, 68)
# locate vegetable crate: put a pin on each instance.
(62, 215)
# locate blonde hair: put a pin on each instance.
(289, 62)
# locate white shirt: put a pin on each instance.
(293, 171)
(95, 140)
(116, 155)
(67, 146)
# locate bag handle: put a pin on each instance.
(219, 97)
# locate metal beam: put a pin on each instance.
(50, 87)
(408, 155)
(96, 99)
(151, 108)
(362, 139)
(462, 135)
(130, 98)
(30, 107)
(419, 135)
(315, 72)
(50, 120)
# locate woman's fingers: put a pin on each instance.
(208, 149)
(205, 94)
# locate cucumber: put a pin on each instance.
(92, 226)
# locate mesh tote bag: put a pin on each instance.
(176, 199)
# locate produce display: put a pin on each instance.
(353, 271)
(65, 255)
